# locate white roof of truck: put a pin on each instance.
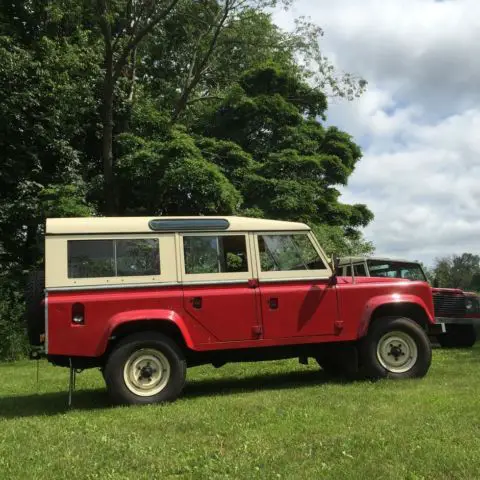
(347, 260)
(92, 225)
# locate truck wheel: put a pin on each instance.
(145, 367)
(458, 336)
(395, 348)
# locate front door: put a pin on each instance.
(297, 299)
(216, 269)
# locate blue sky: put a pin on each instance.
(419, 121)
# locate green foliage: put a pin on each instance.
(13, 339)
(65, 201)
(335, 241)
(296, 161)
(458, 271)
(197, 187)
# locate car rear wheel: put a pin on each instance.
(145, 368)
(395, 348)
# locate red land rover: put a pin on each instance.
(143, 299)
(457, 313)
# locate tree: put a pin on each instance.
(458, 271)
(272, 115)
(206, 47)
(46, 96)
(124, 24)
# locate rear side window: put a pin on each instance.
(360, 270)
(215, 254)
(288, 253)
(113, 258)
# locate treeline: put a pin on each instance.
(166, 107)
(457, 271)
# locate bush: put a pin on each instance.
(13, 335)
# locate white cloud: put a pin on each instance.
(418, 122)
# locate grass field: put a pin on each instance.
(272, 420)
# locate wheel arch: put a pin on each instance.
(407, 309)
(167, 322)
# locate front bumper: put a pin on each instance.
(457, 321)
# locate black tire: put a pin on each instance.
(458, 336)
(35, 311)
(372, 364)
(115, 366)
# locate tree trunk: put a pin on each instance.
(107, 146)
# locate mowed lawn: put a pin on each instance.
(270, 420)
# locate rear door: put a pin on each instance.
(297, 298)
(216, 270)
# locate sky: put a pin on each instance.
(419, 121)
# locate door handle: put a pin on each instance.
(273, 303)
(196, 302)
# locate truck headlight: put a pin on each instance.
(469, 304)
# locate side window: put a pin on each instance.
(360, 270)
(113, 258)
(215, 254)
(348, 271)
(288, 252)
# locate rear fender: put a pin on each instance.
(395, 303)
(162, 315)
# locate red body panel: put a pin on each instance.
(299, 309)
(230, 316)
(228, 312)
(106, 309)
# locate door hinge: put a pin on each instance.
(253, 283)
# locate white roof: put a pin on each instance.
(347, 260)
(87, 225)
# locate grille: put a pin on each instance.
(449, 305)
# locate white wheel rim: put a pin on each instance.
(146, 372)
(397, 352)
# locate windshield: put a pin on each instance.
(392, 269)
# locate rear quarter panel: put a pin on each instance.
(107, 309)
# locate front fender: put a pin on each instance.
(394, 300)
(162, 315)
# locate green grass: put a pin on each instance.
(271, 420)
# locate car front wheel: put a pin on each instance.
(395, 348)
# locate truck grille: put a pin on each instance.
(449, 305)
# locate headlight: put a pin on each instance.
(469, 304)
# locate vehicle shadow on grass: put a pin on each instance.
(56, 403)
(280, 381)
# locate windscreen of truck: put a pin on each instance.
(390, 269)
